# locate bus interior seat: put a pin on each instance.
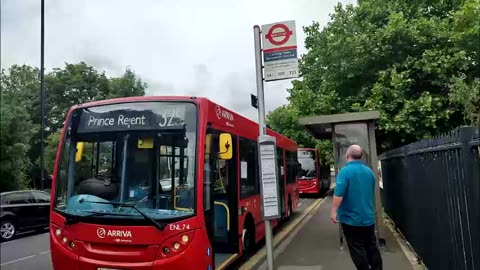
(99, 188)
(186, 199)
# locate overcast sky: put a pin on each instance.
(202, 47)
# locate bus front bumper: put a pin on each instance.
(308, 187)
(64, 258)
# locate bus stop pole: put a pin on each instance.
(262, 131)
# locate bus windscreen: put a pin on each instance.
(307, 168)
(140, 153)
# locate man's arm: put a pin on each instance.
(340, 189)
(336, 203)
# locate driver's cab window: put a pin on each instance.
(98, 161)
(174, 175)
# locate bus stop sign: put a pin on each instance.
(268, 176)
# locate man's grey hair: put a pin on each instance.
(355, 151)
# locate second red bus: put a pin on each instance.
(312, 178)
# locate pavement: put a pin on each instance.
(315, 245)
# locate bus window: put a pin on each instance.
(248, 159)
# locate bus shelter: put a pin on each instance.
(345, 130)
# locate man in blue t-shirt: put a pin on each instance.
(353, 208)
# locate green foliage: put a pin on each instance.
(416, 62)
(284, 120)
(128, 85)
(468, 96)
(51, 145)
(20, 122)
(16, 127)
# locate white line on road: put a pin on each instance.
(25, 258)
(20, 239)
(18, 260)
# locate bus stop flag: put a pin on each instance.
(280, 51)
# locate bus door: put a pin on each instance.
(224, 194)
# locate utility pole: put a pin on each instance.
(262, 131)
(280, 59)
(42, 95)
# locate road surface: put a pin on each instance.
(32, 251)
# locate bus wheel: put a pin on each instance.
(248, 237)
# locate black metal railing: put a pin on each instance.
(431, 192)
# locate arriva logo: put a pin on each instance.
(101, 232)
(223, 114)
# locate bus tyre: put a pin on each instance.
(7, 230)
(248, 237)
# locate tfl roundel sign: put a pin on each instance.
(279, 35)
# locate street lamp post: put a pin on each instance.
(42, 95)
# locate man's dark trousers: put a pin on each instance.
(363, 247)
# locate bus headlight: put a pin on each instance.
(175, 244)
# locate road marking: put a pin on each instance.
(250, 264)
(20, 239)
(227, 262)
(18, 260)
(26, 258)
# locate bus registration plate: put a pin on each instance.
(101, 268)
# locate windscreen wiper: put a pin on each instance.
(73, 219)
(157, 225)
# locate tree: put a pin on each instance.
(80, 83)
(128, 85)
(16, 127)
(412, 61)
(284, 120)
(74, 84)
(51, 146)
(65, 87)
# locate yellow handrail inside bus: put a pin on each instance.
(228, 213)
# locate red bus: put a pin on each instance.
(312, 178)
(160, 183)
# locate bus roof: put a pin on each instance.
(217, 114)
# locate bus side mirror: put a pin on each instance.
(79, 153)
(225, 146)
(145, 143)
